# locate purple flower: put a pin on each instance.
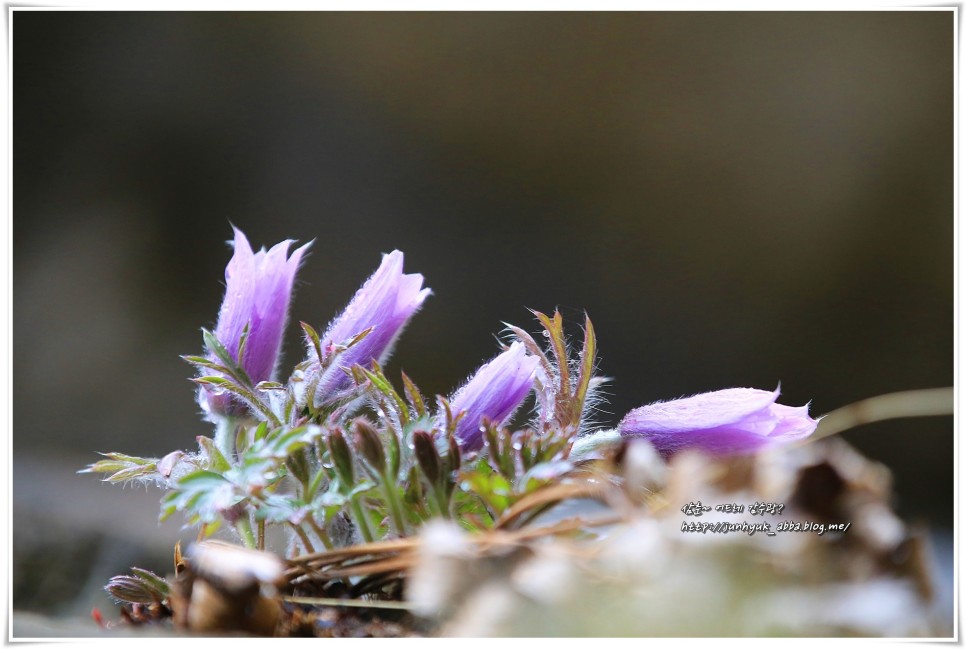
(495, 392)
(385, 303)
(258, 289)
(727, 422)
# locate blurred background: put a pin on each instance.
(736, 199)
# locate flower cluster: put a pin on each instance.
(336, 454)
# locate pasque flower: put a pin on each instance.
(258, 289)
(726, 422)
(385, 303)
(494, 392)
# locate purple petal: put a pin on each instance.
(725, 422)
(385, 302)
(258, 290)
(495, 392)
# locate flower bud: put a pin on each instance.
(341, 457)
(258, 290)
(369, 445)
(426, 455)
(735, 421)
(384, 304)
(494, 392)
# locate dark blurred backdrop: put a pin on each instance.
(736, 199)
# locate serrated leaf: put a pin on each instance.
(274, 508)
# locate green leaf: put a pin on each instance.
(206, 362)
(274, 508)
(543, 474)
(216, 461)
(203, 496)
(491, 487)
(121, 457)
(331, 498)
(201, 479)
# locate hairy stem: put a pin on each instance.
(244, 527)
(304, 538)
(360, 518)
(321, 533)
(225, 438)
(395, 508)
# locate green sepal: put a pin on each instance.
(249, 397)
(312, 336)
(381, 383)
(234, 367)
(414, 395)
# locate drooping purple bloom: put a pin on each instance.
(385, 303)
(495, 392)
(258, 290)
(735, 421)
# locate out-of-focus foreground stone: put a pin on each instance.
(649, 577)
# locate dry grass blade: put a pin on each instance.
(367, 568)
(400, 556)
(348, 603)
